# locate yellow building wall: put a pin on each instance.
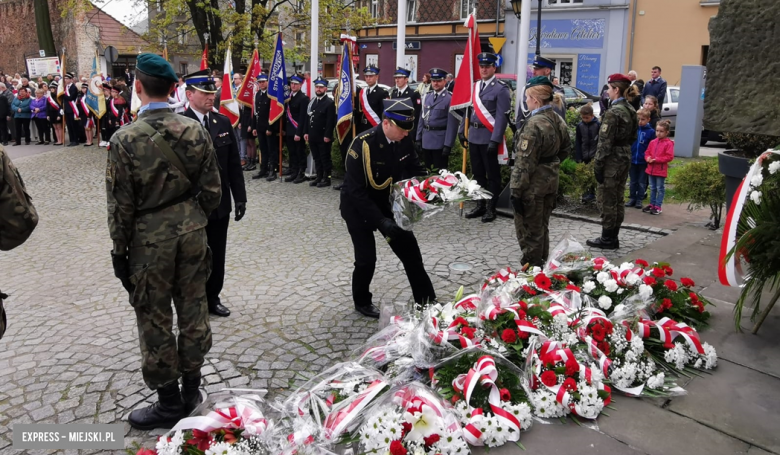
(669, 34)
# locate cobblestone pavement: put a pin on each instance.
(71, 351)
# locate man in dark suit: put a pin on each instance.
(200, 93)
(295, 119)
(318, 131)
(75, 130)
(267, 139)
(656, 87)
(450, 82)
(402, 90)
(365, 203)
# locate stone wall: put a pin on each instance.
(743, 71)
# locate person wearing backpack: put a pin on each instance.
(18, 216)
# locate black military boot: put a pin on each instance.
(316, 181)
(324, 183)
(301, 177)
(168, 410)
(190, 391)
(477, 211)
(490, 212)
(291, 177)
(607, 241)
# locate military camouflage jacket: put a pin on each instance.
(618, 131)
(18, 217)
(543, 143)
(142, 186)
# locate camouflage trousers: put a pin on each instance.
(533, 228)
(611, 195)
(175, 269)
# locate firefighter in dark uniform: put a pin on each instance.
(402, 90)
(376, 159)
(268, 140)
(295, 119)
(368, 107)
(496, 98)
(434, 137)
(200, 94)
(318, 131)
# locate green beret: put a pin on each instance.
(156, 66)
(539, 80)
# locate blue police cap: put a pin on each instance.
(200, 80)
(486, 58)
(541, 62)
(402, 72)
(320, 81)
(371, 69)
(437, 73)
(156, 66)
(262, 77)
(297, 79)
(401, 112)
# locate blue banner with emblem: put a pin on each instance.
(96, 101)
(346, 94)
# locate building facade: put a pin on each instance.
(669, 34)
(586, 39)
(435, 35)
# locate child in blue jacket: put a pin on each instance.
(645, 134)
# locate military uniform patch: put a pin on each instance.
(110, 172)
(524, 144)
(605, 128)
(353, 154)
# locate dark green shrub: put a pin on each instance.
(700, 184)
(751, 145)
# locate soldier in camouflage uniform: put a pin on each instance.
(543, 143)
(18, 217)
(613, 160)
(162, 181)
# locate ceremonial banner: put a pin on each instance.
(345, 93)
(95, 100)
(278, 88)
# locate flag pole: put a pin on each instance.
(279, 37)
(62, 106)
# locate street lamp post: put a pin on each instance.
(522, 10)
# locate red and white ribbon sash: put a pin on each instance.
(238, 416)
(502, 276)
(668, 330)
(337, 421)
(369, 113)
(75, 109)
(90, 122)
(468, 303)
(114, 110)
(729, 272)
(53, 103)
(415, 191)
(487, 119)
(290, 117)
(484, 373)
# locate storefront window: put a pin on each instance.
(563, 2)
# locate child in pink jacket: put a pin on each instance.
(658, 155)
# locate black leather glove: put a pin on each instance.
(518, 205)
(389, 229)
(599, 175)
(510, 162)
(446, 151)
(418, 146)
(492, 147)
(240, 210)
(122, 271)
(462, 139)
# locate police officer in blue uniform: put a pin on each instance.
(318, 131)
(376, 159)
(437, 127)
(402, 90)
(482, 144)
(541, 67)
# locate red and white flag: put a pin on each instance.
(469, 68)
(204, 59)
(228, 106)
(246, 94)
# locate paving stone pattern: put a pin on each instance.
(71, 352)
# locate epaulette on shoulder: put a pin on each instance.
(365, 135)
(501, 82)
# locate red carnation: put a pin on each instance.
(455, 399)
(572, 287)
(650, 281)
(658, 272)
(460, 321)
(505, 395)
(598, 332)
(528, 289)
(406, 427)
(521, 314)
(431, 440)
(604, 347)
(560, 277)
(542, 281)
(608, 399)
(671, 285)
(668, 270)
(693, 296)
(700, 306)
(522, 304)
(687, 282)
(549, 379)
(641, 262)
(468, 332)
(509, 336)
(397, 448)
(608, 326)
(570, 384)
(572, 367)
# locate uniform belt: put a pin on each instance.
(476, 125)
(177, 200)
(435, 128)
(549, 160)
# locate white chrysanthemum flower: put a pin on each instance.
(656, 382)
(611, 285)
(711, 356)
(755, 196)
(536, 269)
(588, 286)
(561, 322)
(757, 180)
(677, 355)
(218, 448)
(605, 302)
(645, 291)
(637, 345)
(601, 277)
(620, 291)
(774, 166)
(522, 412)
